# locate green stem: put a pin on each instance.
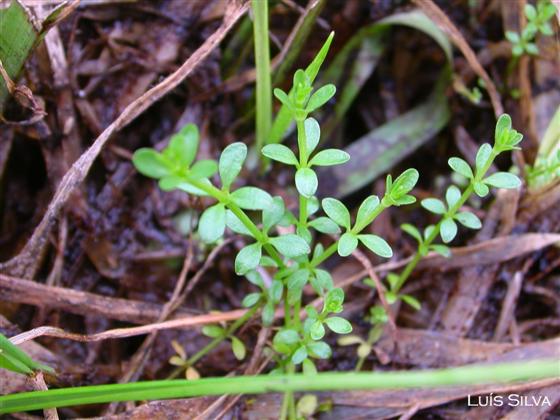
(403, 277)
(356, 230)
(336, 381)
(223, 198)
(302, 147)
(216, 341)
(262, 63)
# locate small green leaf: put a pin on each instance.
(248, 258)
(238, 348)
(347, 243)
(273, 214)
(441, 250)
(448, 230)
(312, 134)
(151, 163)
(204, 168)
(434, 205)
(298, 279)
(250, 300)
(404, 183)
(503, 127)
(290, 245)
(391, 297)
(300, 355)
(183, 146)
(481, 189)
(482, 157)
(530, 12)
(377, 245)
(285, 341)
(174, 182)
(275, 291)
(452, 195)
(233, 222)
(366, 209)
(267, 315)
(330, 157)
(212, 331)
(334, 300)
(338, 325)
(468, 220)
(325, 225)
(322, 281)
(251, 198)
(280, 153)
(337, 212)
(306, 182)
(309, 367)
(317, 330)
(512, 37)
(412, 301)
(412, 231)
(461, 167)
(283, 97)
(320, 97)
(231, 162)
(319, 350)
(212, 223)
(503, 180)
(255, 278)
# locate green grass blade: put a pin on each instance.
(17, 37)
(154, 390)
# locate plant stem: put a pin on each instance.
(262, 63)
(403, 277)
(302, 147)
(223, 198)
(336, 381)
(216, 341)
(357, 229)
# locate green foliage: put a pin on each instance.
(537, 22)
(14, 359)
(287, 255)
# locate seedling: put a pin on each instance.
(449, 211)
(537, 22)
(294, 259)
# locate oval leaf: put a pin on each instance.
(280, 153)
(290, 245)
(248, 258)
(306, 182)
(231, 162)
(151, 163)
(212, 223)
(377, 245)
(337, 212)
(330, 157)
(251, 198)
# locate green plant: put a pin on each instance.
(343, 381)
(477, 182)
(263, 110)
(14, 359)
(288, 256)
(546, 168)
(537, 22)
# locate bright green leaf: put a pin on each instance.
(503, 180)
(312, 134)
(290, 245)
(337, 212)
(320, 350)
(280, 153)
(325, 225)
(248, 258)
(366, 209)
(338, 325)
(183, 146)
(469, 220)
(151, 163)
(233, 222)
(317, 330)
(238, 348)
(306, 182)
(376, 244)
(212, 223)
(330, 157)
(320, 97)
(434, 205)
(448, 230)
(251, 198)
(231, 162)
(482, 157)
(461, 167)
(347, 243)
(452, 195)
